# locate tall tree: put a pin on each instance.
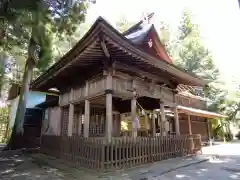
(62, 44)
(38, 19)
(190, 54)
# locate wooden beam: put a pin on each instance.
(71, 56)
(105, 49)
(107, 61)
(132, 70)
(152, 86)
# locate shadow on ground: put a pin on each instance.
(23, 168)
(216, 169)
(224, 164)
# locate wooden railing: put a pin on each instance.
(121, 152)
(191, 102)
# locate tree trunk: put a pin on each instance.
(2, 71)
(18, 130)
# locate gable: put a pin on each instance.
(158, 47)
(145, 36)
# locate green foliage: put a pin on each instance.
(166, 36)
(189, 52)
(36, 21)
(186, 26)
(220, 131)
(46, 53)
(62, 44)
(194, 58)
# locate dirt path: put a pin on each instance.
(24, 168)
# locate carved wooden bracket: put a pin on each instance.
(108, 63)
(152, 86)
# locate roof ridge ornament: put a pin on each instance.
(147, 19)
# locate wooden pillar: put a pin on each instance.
(116, 124)
(153, 125)
(208, 129)
(189, 125)
(163, 120)
(159, 122)
(60, 117)
(109, 115)
(133, 114)
(176, 118)
(86, 112)
(70, 119)
(80, 123)
(86, 118)
(109, 112)
(190, 132)
(71, 114)
(146, 122)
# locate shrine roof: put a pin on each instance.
(89, 53)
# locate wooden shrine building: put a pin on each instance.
(119, 102)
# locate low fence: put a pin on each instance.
(122, 152)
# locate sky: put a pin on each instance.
(219, 22)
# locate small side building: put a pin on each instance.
(33, 116)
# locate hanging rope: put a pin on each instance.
(145, 111)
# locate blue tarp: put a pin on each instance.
(33, 99)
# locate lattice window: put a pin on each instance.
(97, 122)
